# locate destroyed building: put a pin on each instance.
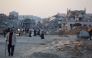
(28, 23)
(72, 19)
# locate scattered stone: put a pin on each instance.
(44, 55)
(42, 44)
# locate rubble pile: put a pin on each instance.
(53, 31)
(76, 49)
(61, 32)
(77, 30)
(68, 49)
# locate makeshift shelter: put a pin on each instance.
(83, 34)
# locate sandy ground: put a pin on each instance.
(26, 46)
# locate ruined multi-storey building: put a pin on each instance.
(77, 18)
(74, 18)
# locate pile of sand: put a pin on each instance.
(77, 30)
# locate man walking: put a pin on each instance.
(11, 41)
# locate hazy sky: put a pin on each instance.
(43, 8)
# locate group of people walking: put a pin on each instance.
(11, 39)
(36, 33)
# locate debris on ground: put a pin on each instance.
(77, 30)
(43, 55)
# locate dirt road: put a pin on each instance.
(28, 45)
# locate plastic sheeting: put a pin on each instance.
(83, 33)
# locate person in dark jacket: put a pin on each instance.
(34, 32)
(30, 34)
(42, 35)
(38, 32)
(90, 34)
(4, 33)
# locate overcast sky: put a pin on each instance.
(43, 8)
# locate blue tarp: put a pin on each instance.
(83, 34)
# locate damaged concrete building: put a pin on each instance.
(73, 19)
(28, 23)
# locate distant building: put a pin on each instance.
(28, 23)
(76, 15)
(76, 18)
(13, 15)
(23, 17)
(3, 17)
(71, 19)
